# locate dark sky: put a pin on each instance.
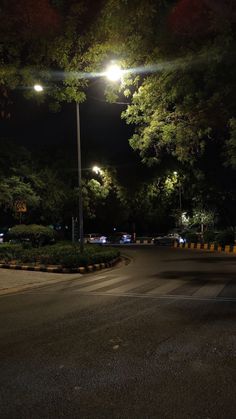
(104, 136)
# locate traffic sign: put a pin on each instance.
(20, 206)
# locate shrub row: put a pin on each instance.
(221, 238)
(66, 255)
(36, 235)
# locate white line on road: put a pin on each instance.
(157, 297)
(210, 290)
(129, 286)
(112, 281)
(167, 287)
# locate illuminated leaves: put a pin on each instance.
(13, 189)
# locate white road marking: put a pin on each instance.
(158, 297)
(210, 290)
(103, 284)
(129, 286)
(88, 280)
(167, 287)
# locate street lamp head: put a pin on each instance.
(97, 170)
(113, 72)
(38, 88)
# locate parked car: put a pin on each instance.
(3, 234)
(125, 238)
(95, 238)
(120, 237)
(1, 237)
(168, 239)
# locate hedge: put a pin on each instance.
(66, 255)
(191, 237)
(225, 237)
(34, 234)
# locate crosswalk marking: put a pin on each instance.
(113, 284)
(161, 296)
(210, 290)
(88, 281)
(146, 286)
(104, 284)
(120, 287)
(160, 287)
(167, 287)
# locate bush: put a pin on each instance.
(10, 251)
(225, 237)
(66, 255)
(36, 235)
(191, 237)
(209, 236)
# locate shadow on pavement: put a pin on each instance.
(200, 259)
(197, 275)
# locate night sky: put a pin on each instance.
(104, 136)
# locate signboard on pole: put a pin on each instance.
(20, 206)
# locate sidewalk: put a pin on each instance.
(13, 280)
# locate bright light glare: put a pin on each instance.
(38, 88)
(113, 72)
(97, 170)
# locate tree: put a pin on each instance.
(231, 145)
(26, 30)
(180, 78)
(12, 190)
(44, 41)
(180, 86)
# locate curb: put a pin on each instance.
(60, 269)
(206, 246)
(143, 241)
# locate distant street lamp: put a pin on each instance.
(97, 170)
(38, 88)
(113, 73)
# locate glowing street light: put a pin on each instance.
(97, 170)
(38, 88)
(113, 72)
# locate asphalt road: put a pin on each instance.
(152, 338)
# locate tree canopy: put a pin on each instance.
(179, 81)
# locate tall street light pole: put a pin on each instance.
(113, 73)
(180, 198)
(80, 204)
(39, 88)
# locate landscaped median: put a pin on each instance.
(60, 257)
(207, 246)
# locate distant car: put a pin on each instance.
(121, 238)
(125, 238)
(168, 240)
(3, 234)
(95, 238)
